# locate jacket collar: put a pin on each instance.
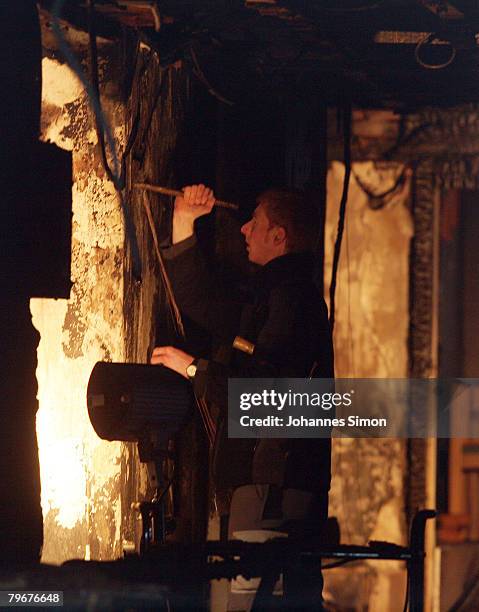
(292, 266)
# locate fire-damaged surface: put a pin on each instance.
(166, 102)
(111, 314)
(260, 64)
(367, 490)
(380, 53)
(81, 495)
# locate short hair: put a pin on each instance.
(296, 213)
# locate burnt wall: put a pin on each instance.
(371, 340)
(170, 150)
(81, 475)
(116, 311)
(175, 146)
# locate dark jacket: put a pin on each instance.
(286, 319)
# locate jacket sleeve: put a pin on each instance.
(196, 290)
(276, 353)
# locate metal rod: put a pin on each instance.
(176, 192)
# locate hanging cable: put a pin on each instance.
(74, 64)
(200, 75)
(421, 62)
(99, 125)
(321, 192)
(352, 367)
(208, 423)
(175, 311)
(405, 139)
(170, 298)
(342, 211)
(377, 200)
(406, 596)
(114, 173)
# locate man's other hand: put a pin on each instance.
(196, 201)
(171, 358)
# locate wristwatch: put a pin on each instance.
(191, 369)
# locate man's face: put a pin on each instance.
(261, 237)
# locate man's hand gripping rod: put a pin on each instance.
(175, 192)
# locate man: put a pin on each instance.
(280, 484)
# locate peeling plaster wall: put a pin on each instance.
(370, 339)
(88, 484)
(80, 474)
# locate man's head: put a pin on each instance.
(283, 222)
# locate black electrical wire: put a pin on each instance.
(94, 78)
(151, 112)
(379, 196)
(403, 140)
(118, 176)
(342, 211)
(426, 39)
(200, 75)
(129, 226)
(89, 88)
(406, 597)
(131, 140)
(322, 175)
(114, 177)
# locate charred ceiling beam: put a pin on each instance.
(111, 14)
(370, 17)
(167, 35)
(350, 80)
(134, 13)
(442, 9)
(453, 25)
(394, 37)
(469, 9)
(362, 52)
(74, 12)
(363, 49)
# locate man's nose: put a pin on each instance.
(245, 228)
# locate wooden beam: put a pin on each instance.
(406, 38)
(443, 10)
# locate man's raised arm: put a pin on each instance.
(197, 200)
(194, 283)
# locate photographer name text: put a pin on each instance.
(301, 421)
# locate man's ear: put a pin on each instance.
(279, 235)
